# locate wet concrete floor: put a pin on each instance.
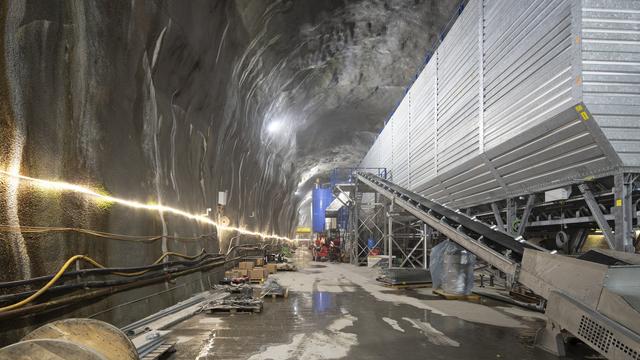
(337, 311)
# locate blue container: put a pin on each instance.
(371, 244)
(320, 198)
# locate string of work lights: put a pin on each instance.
(65, 186)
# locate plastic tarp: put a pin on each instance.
(452, 268)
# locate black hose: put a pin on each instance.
(109, 283)
(99, 271)
(76, 298)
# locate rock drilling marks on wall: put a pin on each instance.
(12, 59)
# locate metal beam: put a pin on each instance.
(512, 213)
(483, 251)
(527, 213)
(498, 216)
(427, 238)
(597, 214)
(624, 235)
(390, 234)
(491, 235)
(411, 253)
(567, 221)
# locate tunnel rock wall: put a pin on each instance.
(140, 100)
(169, 102)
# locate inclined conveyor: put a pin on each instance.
(596, 298)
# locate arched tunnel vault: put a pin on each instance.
(171, 101)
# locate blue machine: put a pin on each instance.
(320, 198)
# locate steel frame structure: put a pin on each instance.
(594, 298)
(609, 205)
(372, 216)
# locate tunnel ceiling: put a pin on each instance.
(332, 71)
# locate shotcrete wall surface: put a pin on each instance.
(168, 102)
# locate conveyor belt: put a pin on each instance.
(472, 233)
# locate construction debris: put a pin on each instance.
(274, 289)
(286, 267)
(235, 290)
(234, 305)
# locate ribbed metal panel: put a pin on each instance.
(527, 65)
(422, 134)
(384, 150)
(557, 151)
(400, 143)
(611, 72)
(458, 91)
(552, 87)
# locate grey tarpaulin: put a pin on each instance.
(452, 268)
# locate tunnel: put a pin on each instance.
(366, 178)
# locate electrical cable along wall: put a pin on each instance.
(519, 97)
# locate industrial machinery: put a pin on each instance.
(524, 123)
(73, 339)
(596, 297)
(520, 100)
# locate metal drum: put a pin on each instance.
(48, 349)
(73, 339)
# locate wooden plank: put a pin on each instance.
(406, 286)
(462, 297)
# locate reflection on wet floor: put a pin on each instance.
(322, 320)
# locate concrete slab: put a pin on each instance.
(337, 311)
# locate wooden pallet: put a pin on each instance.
(256, 281)
(159, 351)
(406, 286)
(447, 296)
(285, 294)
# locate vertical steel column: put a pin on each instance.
(593, 205)
(390, 233)
(511, 215)
(624, 212)
(426, 244)
(481, 77)
(527, 213)
(355, 243)
(498, 216)
(385, 226)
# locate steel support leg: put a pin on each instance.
(527, 213)
(426, 241)
(390, 234)
(511, 215)
(498, 216)
(624, 235)
(550, 339)
(592, 203)
(577, 242)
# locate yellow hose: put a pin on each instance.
(75, 258)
